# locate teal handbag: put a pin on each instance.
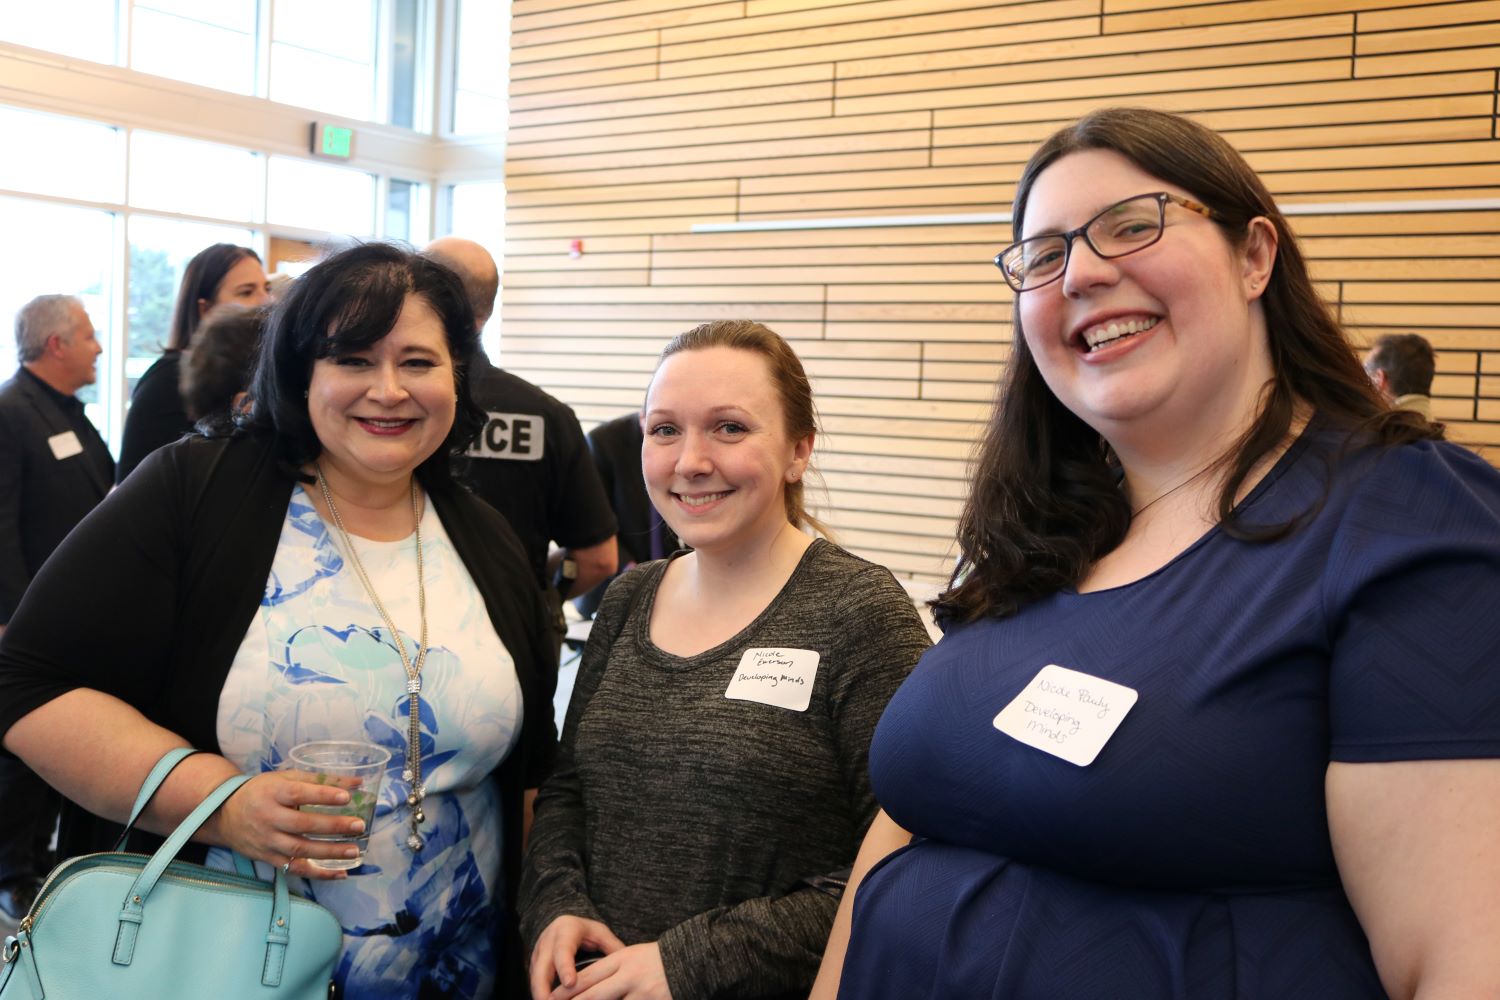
(120, 925)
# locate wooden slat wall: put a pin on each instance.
(633, 119)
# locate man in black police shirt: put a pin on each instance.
(54, 468)
(531, 462)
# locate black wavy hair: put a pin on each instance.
(347, 303)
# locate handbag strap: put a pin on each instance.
(154, 779)
(133, 911)
(149, 787)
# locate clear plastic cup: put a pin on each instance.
(353, 765)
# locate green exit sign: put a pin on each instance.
(333, 141)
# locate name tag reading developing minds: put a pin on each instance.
(1066, 713)
(780, 676)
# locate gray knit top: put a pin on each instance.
(703, 822)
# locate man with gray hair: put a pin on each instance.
(54, 469)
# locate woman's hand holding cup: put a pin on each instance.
(264, 821)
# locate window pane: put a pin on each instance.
(159, 250)
(66, 251)
(479, 213)
(398, 210)
(322, 82)
(64, 156)
(213, 48)
(323, 56)
(405, 54)
(195, 178)
(479, 91)
(236, 15)
(81, 28)
(320, 196)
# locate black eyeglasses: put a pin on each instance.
(1122, 228)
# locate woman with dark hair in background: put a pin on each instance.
(315, 575)
(220, 274)
(711, 780)
(1217, 712)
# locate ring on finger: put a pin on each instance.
(288, 866)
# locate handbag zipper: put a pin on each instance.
(231, 880)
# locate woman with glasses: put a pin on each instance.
(1217, 713)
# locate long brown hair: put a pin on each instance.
(201, 280)
(798, 412)
(1045, 505)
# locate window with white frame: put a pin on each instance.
(98, 202)
(359, 59)
(85, 29)
(476, 211)
(112, 210)
(482, 67)
(323, 56)
(65, 250)
(159, 250)
(311, 195)
(212, 44)
(191, 177)
(66, 157)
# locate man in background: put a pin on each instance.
(54, 469)
(531, 462)
(1401, 366)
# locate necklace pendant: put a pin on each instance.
(418, 816)
(406, 775)
(414, 842)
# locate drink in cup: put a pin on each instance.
(352, 765)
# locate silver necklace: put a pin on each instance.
(413, 772)
(1162, 496)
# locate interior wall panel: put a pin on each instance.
(635, 120)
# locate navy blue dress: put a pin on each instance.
(1191, 860)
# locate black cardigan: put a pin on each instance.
(149, 599)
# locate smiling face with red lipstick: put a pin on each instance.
(381, 411)
(1152, 340)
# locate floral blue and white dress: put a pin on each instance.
(318, 663)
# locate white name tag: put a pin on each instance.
(516, 436)
(64, 445)
(780, 677)
(1066, 713)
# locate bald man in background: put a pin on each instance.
(531, 462)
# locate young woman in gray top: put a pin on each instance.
(712, 781)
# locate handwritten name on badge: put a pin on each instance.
(781, 677)
(1066, 713)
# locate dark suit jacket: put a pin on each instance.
(42, 496)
